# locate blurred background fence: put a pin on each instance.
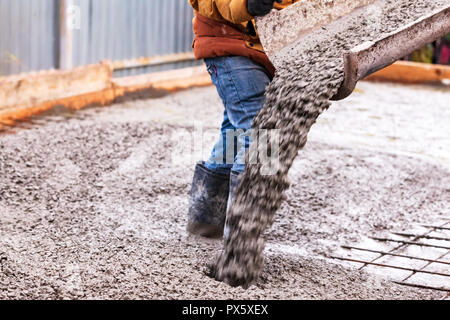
(33, 36)
(46, 34)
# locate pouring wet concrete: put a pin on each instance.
(309, 74)
(96, 208)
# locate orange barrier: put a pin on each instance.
(412, 73)
(169, 81)
(30, 93)
(25, 95)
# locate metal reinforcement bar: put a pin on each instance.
(396, 255)
(393, 267)
(405, 244)
(436, 227)
(428, 264)
(409, 235)
(401, 245)
(422, 286)
(411, 243)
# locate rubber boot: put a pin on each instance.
(208, 202)
(234, 182)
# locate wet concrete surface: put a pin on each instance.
(96, 207)
(310, 72)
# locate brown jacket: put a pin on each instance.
(225, 28)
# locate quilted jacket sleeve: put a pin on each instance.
(234, 11)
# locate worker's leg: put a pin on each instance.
(218, 159)
(210, 189)
(240, 83)
(208, 202)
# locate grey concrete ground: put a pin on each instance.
(95, 206)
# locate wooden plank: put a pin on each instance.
(152, 61)
(412, 73)
(24, 95)
(27, 91)
(18, 112)
(172, 80)
(30, 94)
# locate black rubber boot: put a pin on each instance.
(234, 182)
(208, 202)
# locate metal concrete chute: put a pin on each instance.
(371, 57)
(310, 21)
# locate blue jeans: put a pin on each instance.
(241, 84)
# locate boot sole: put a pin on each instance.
(205, 230)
